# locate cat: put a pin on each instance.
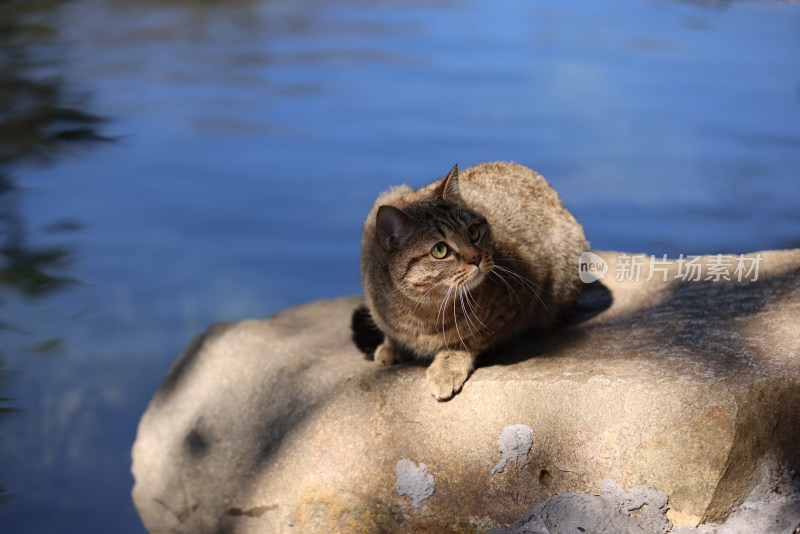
(467, 262)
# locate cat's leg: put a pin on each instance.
(388, 354)
(448, 372)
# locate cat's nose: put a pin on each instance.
(475, 260)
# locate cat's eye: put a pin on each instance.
(473, 233)
(439, 251)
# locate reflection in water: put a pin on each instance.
(38, 121)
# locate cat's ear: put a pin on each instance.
(393, 227)
(448, 189)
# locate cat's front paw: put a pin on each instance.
(448, 372)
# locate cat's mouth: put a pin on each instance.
(466, 279)
(476, 276)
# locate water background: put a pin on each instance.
(250, 138)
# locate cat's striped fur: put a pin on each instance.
(464, 263)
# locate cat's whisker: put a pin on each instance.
(523, 283)
(455, 321)
(511, 290)
(443, 306)
(521, 278)
(471, 302)
(501, 260)
(425, 296)
(527, 284)
(472, 320)
(470, 324)
(511, 258)
(443, 311)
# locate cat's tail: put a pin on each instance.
(366, 334)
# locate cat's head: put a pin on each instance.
(437, 243)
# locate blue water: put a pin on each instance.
(252, 137)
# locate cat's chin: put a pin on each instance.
(475, 279)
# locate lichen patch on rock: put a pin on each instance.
(514, 444)
(413, 480)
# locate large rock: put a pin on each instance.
(281, 426)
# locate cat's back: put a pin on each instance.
(505, 189)
(520, 206)
(512, 197)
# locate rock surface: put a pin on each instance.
(773, 507)
(614, 511)
(682, 386)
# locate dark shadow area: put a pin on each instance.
(39, 121)
(697, 320)
(594, 300)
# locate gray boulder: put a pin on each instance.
(673, 384)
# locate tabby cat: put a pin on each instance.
(464, 263)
